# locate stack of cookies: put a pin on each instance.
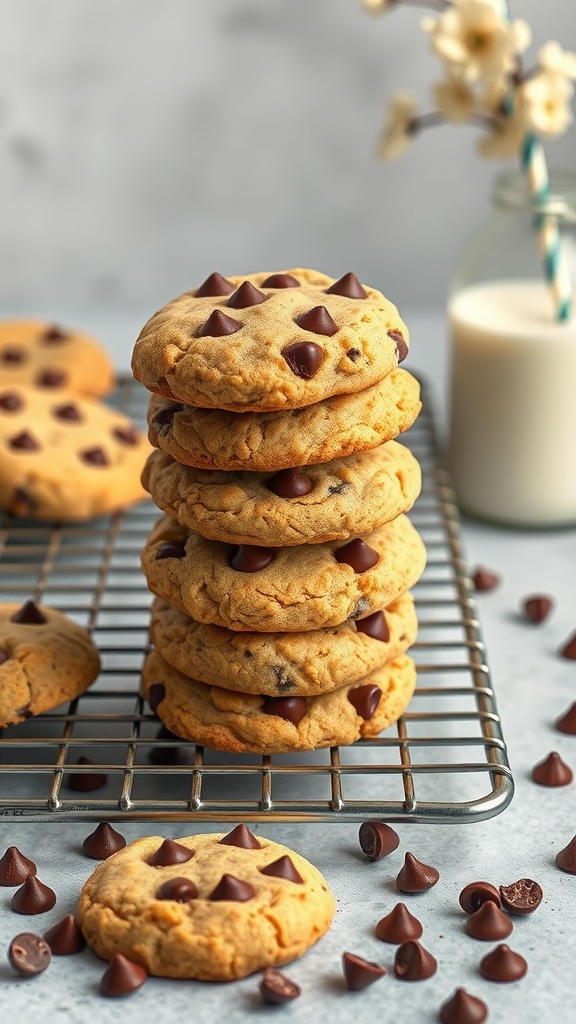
(283, 562)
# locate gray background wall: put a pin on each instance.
(144, 143)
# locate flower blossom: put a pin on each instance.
(544, 103)
(399, 127)
(377, 6)
(504, 141)
(454, 99)
(552, 57)
(476, 41)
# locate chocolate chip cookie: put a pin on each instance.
(49, 356)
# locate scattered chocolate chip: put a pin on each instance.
(292, 709)
(566, 858)
(537, 608)
(249, 558)
(29, 954)
(65, 938)
(214, 285)
(33, 897)
(359, 973)
(567, 721)
(24, 442)
(156, 694)
(502, 964)
(463, 1008)
(398, 926)
(218, 325)
(165, 416)
(489, 923)
(552, 771)
(12, 356)
(365, 700)
(181, 890)
(401, 346)
(339, 488)
(415, 876)
(475, 894)
(246, 295)
(521, 897)
(484, 579)
(282, 868)
(569, 648)
(377, 839)
(86, 782)
(169, 853)
(94, 457)
(22, 503)
(353, 354)
(358, 555)
(170, 550)
(10, 402)
(317, 321)
(51, 379)
(275, 987)
(126, 435)
(414, 963)
(29, 614)
(54, 334)
(362, 605)
(242, 837)
(24, 711)
(280, 281)
(304, 358)
(374, 625)
(168, 755)
(4, 656)
(68, 412)
(231, 888)
(290, 483)
(122, 977)
(103, 842)
(349, 286)
(15, 867)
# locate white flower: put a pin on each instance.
(398, 129)
(454, 98)
(504, 141)
(553, 58)
(475, 39)
(543, 103)
(377, 6)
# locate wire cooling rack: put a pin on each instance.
(444, 760)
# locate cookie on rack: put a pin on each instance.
(45, 659)
(46, 355)
(264, 442)
(66, 458)
(292, 589)
(213, 907)
(283, 664)
(259, 724)
(270, 341)
(330, 501)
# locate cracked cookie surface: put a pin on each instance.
(41, 354)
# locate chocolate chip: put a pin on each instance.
(415, 876)
(249, 558)
(361, 606)
(242, 837)
(24, 442)
(462, 1008)
(174, 755)
(156, 694)
(170, 852)
(29, 615)
(24, 712)
(10, 401)
(165, 416)
(246, 295)
(276, 988)
(103, 842)
(349, 286)
(15, 867)
(566, 858)
(359, 973)
(4, 656)
(181, 890)
(475, 894)
(29, 954)
(502, 964)
(304, 358)
(353, 354)
(317, 321)
(521, 897)
(357, 554)
(280, 281)
(414, 963)
(218, 325)
(552, 771)
(126, 435)
(51, 379)
(65, 938)
(22, 503)
(377, 839)
(234, 889)
(86, 782)
(374, 625)
(54, 334)
(567, 721)
(289, 483)
(283, 681)
(122, 977)
(484, 579)
(33, 897)
(365, 700)
(489, 923)
(170, 550)
(569, 648)
(292, 709)
(399, 926)
(12, 356)
(94, 457)
(68, 412)
(340, 488)
(401, 346)
(214, 285)
(282, 868)
(537, 608)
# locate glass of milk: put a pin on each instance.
(512, 419)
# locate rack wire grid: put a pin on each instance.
(444, 761)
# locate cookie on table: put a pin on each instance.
(64, 457)
(45, 355)
(330, 501)
(284, 589)
(213, 907)
(283, 664)
(262, 442)
(45, 659)
(259, 724)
